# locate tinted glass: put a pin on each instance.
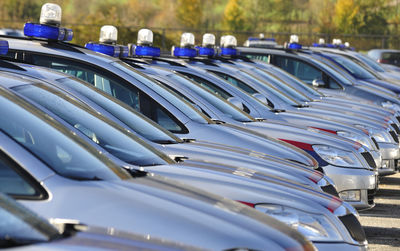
(303, 71)
(122, 145)
(173, 99)
(19, 226)
(55, 147)
(269, 89)
(137, 122)
(208, 85)
(217, 102)
(353, 68)
(11, 182)
(278, 83)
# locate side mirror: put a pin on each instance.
(318, 82)
(261, 98)
(236, 102)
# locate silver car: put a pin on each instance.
(236, 186)
(22, 229)
(57, 174)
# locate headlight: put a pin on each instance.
(336, 156)
(379, 135)
(355, 137)
(314, 227)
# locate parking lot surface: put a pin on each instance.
(382, 223)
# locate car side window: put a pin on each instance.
(132, 96)
(91, 76)
(236, 82)
(298, 68)
(13, 182)
(265, 58)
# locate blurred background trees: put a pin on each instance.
(312, 17)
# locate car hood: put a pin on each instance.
(156, 206)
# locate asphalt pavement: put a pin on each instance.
(382, 223)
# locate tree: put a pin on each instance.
(234, 16)
(189, 13)
(347, 16)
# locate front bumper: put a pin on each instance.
(390, 155)
(352, 179)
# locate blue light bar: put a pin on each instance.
(185, 52)
(110, 50)
(48, 32)
(294, 46)
(318, 45)
(3, 47)
(149, 51)
(228, 51)
(330, 46)
(206, 51)
(124, 51)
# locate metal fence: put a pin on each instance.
(166, 37)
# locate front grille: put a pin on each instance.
(371, 195)
(330, 189)
(370, 160)
(396, 128)
(394, 136)
(376, 143)
(354, 227)
(398, 118)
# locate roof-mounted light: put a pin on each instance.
(3, 47)
(294, 39)
(208, 45)
(145, 37)
(50, 14)
(187, 47)
(321, 43)
(50, 20)
(108, 34)
(208, 40)
(184, 52)
(144, 47)
(294, 43)
(228, 45)
(107, 45)
(228, 41)
(347, 44)
(187, 40)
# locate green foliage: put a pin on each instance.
(189, 13)
(177, 16)
(234, 16)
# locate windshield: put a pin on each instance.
(19, 226)
(217, 102)
(332, 69)
(369, 61)
(352, 67)
(118, 142)
(54, 144)
(293, 80)
(271, 90)
(278, 83)
(172, 98)
(137, 122)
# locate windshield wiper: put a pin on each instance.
(80, 178)
(164, 142)
(135, 173)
